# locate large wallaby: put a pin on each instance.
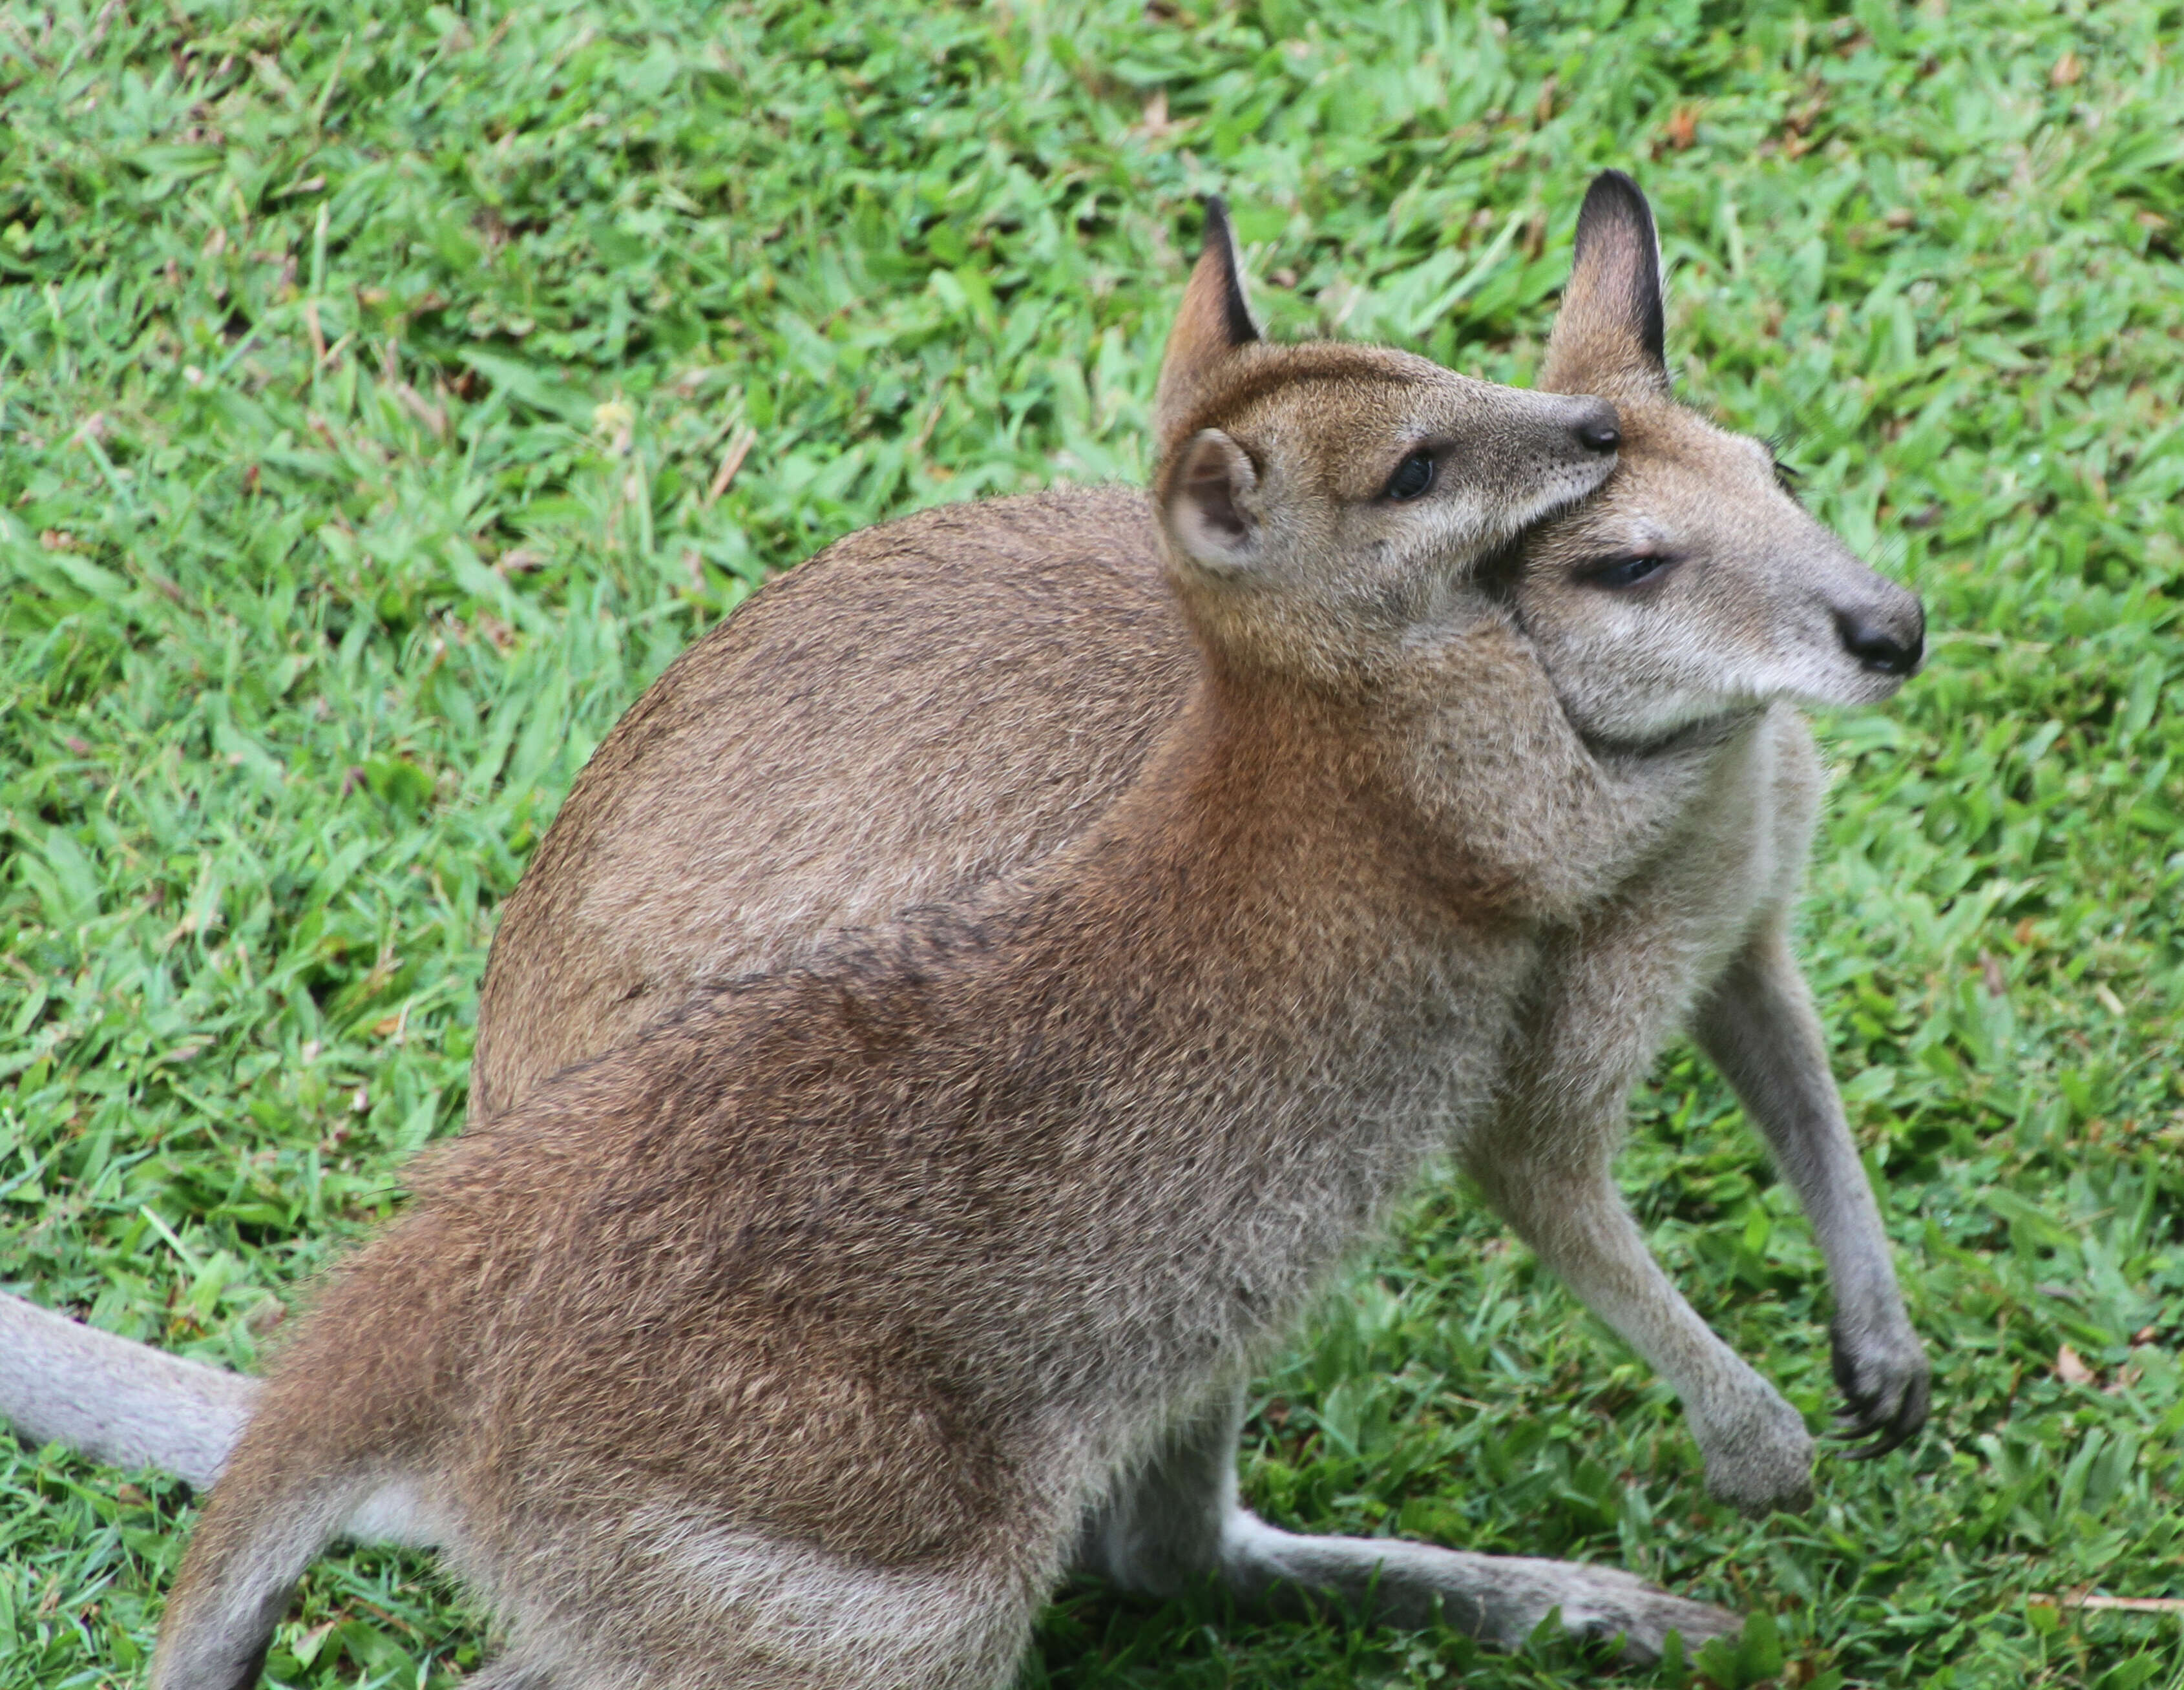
(805, 767)
(802, 1339)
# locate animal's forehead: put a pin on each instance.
(1678, 478)
(1266, 385)
(1367, 414)
(1672, 438)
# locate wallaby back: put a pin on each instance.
(923, 707)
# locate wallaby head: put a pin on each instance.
(800, 769)
(1320, 500)
(1695, 587)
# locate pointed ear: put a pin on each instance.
(1210, 505)
(1608, 339)
(1216, 319)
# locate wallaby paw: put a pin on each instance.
(1762, 1462)
(1883, 1375)
(1643, 1615)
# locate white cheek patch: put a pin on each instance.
(1639, 675)
(1450, 530)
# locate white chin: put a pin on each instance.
(1856, 687)
(1669, 716)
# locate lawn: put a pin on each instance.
(371, 373)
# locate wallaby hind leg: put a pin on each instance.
(720, 1613)
(1179, 1520)
(1500, 1599)
(512, 1672)
(1161, 1531)
(248, 1551)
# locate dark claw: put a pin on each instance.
(1892, 1436)
(1887, 1429)
(1888, 1415)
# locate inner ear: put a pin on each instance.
(1209, 501)
(1608, 337)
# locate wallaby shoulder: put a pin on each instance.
(942, 656)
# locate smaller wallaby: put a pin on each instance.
(801, 1341)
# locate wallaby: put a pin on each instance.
(803, 1339)
(953, 696)
(1035, 630)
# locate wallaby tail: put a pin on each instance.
(277, 1505)
(116, 1401)
(341, 1438)
(317, 1459)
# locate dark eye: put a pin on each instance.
(1627, 571)
(1413, 476)
(1786, 477)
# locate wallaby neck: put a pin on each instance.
(1282, 816)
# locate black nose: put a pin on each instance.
(1886, 644)
(1597, 430)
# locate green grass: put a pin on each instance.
(364, 367)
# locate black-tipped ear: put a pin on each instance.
(1219, 245)
(1615, 228)
(1214, 320)
(1609, 338)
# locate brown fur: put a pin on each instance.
(794, 1341)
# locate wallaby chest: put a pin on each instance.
(1613, 989)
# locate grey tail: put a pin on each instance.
(118, 1401)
